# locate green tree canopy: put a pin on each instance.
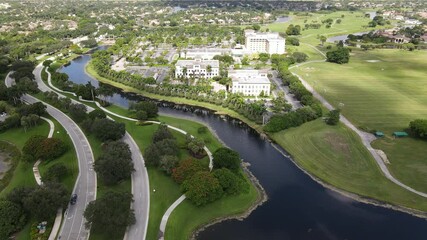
(110, 213)
(115, 163)
(202, 188)
(12, 218)
(226, 158)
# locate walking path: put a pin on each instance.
(37, 176)
(367, 138)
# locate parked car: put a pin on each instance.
(73, 199)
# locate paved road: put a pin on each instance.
(367, 138)
(44, 88)
(140, 191)
(288, 96)
(140, 182)
(85, 187)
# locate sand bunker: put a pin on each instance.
(373, 61)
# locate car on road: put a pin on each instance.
(73, 199)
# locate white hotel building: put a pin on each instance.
(196, 68)
(268, 42)
(249, 82)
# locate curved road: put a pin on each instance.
(367, 138)
(140, 181)
(171, 208)
(85, 187)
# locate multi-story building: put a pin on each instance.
(249, 82)
(197, 68)
(269, 42)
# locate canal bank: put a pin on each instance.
(298, 207)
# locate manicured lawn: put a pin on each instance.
(352, 22)
(381, 90)
(408, 160)
(336, 155)
(195, 217)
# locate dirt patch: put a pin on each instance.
(338, 143)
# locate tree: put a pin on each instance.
(12, 218)
(32, 146)
(322, 39)
(226, 158)
(162, 133)
(97, 114)
(156, 150)
(230, 182)
(293, 30)
(115, 163)
(27, 85)
(339, 55)
(195, 146)
(35, 108)
(168, 163)
(333, 117)
(419, 127)
(110, 213)
(55, 173)
(256, 27)
(202, 188)
(299, 57)
(105, 129)
(292, 41)
(141, 115)
(78, 112)
(44, 201)
(47, 63)
(186, 169)
(149, 107)
(51, 148)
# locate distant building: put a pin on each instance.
(204, 53)
(249, 82)
(197, 68)
(269, 42)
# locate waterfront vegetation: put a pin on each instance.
(336, 156)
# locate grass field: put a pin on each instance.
(381, 90)
(182, 221)
(352, 22)
(336, 155)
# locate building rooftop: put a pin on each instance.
(202, 63)
(249, 77)
(270, 35)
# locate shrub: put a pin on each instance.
(419, 127)
(333, 117)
